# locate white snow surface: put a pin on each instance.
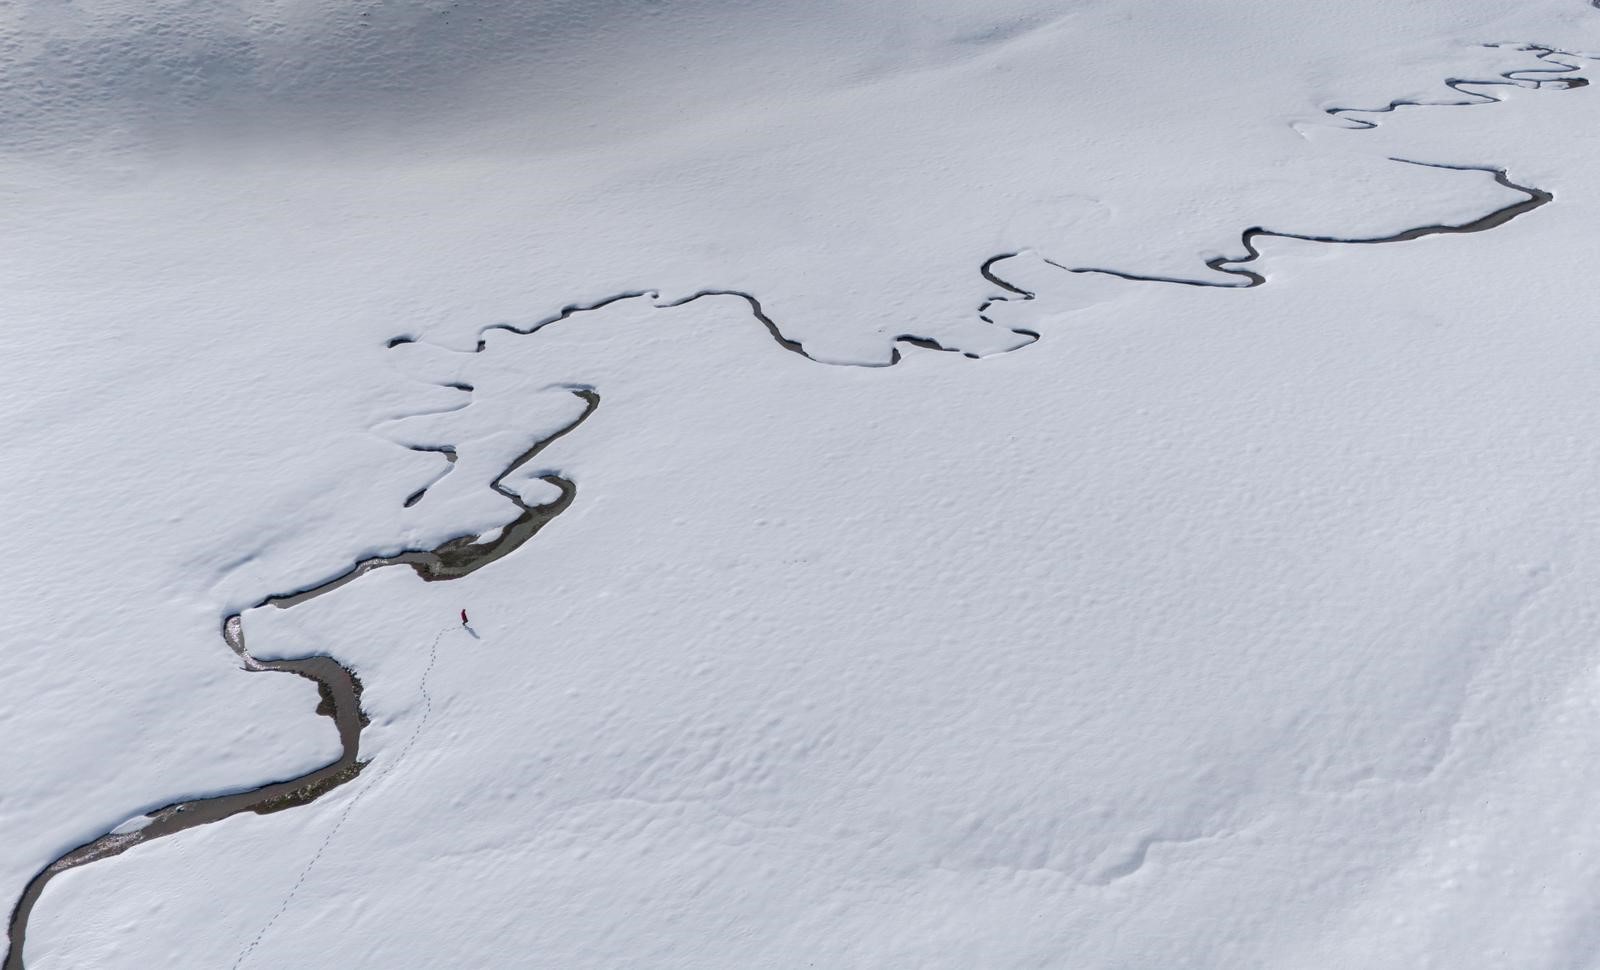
(1213, 628)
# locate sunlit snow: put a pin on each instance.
(893, 533)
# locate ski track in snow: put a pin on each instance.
(464, 554)
(355, 800)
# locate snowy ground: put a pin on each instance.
(1213, 628)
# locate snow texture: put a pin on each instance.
(1121, 622)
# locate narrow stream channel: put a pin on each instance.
(460, 556)
(339, 687)
(1234, 265)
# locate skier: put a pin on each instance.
(463, 617)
